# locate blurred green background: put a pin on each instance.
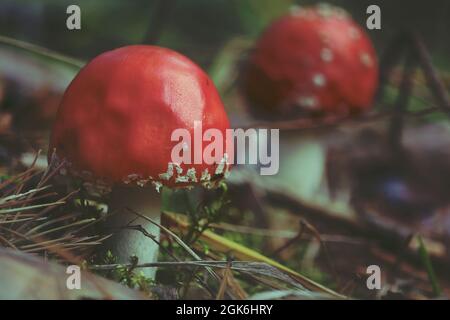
(199, 28)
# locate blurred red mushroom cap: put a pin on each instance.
(117, 116)
(314, 59)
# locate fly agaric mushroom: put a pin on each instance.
(314, 60)
(113, 129)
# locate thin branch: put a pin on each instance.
(41, 51)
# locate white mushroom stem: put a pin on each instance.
(127, 242)
(302, 163)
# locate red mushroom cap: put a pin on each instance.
(117, 116)
(314, 59)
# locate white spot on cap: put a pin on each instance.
(169, 173)
(142, 182)
(191, 175)
(309, 102)
(222, 168)
(205, 176)
(326, 55)
(341, 14)
(182, 179)
(327, 11)
(296, 10)
(158, 185)
(319, 80)
(131, 178)
(178, 168)
(354, 33)
(366, 59)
